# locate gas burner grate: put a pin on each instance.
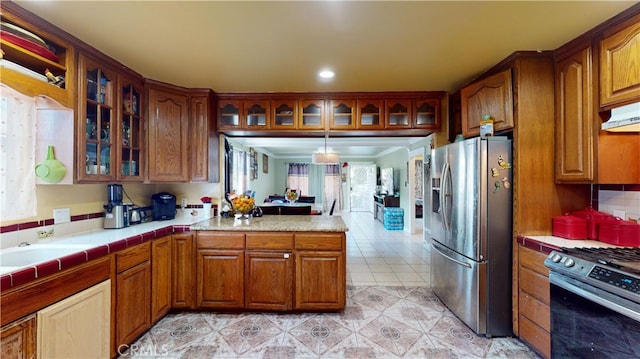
(594, 253)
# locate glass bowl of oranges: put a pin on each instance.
(243, 205)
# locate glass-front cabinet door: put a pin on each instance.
(284, 114)
(257, 114)
(370, 114)
(311, 115)
(398, 113)
(97, 117)
(426, 113)
(229, 114)
(342, 115)
(131, 140)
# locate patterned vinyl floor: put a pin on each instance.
(390, 313)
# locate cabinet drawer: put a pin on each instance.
(535, 336)
(325, 242)
(534, 284)
(535, 310)
(220, 240)
(275, 240)
(132, 256)
(533, 260)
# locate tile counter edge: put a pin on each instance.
(105, 242)
(546, 244)
(283, 223)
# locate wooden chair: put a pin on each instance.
(270, 209)
(307, 199)
(301, 210)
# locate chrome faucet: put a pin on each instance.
(24, 244)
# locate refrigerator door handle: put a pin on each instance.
(446, 195)
(450, 258)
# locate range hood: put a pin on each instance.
(624, 119)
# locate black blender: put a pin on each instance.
(116, 214)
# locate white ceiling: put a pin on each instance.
(279, 46)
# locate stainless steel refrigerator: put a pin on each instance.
(468, 224)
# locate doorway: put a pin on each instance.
(362, 179)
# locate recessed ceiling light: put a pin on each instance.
(326, 74)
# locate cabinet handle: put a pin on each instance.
(286, 255)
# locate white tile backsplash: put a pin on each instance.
(12, 239)
(627, 201)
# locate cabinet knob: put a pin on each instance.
(286, 255)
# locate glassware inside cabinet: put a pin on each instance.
(131, 143)
(99, 129)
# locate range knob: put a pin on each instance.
(555, 258)
(569, 263)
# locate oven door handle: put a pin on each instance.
(564, 282)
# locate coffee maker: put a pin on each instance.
(116, 213)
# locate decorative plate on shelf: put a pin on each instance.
(4, 63)
(28, 45)
(18, 31)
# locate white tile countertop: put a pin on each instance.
(19, 265)
(13, 259)
(570, 243)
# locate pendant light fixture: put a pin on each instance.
(325, 158)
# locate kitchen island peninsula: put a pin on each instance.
(280, 263)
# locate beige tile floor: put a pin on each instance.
(390, 313)
(376, 256)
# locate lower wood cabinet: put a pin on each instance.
(277, 271)
(534, 316)
(269, 270)
(133, 293)
(160, 278)
(220, 270)
(78, 326)
(18, 339)
(182, 270)
(269, 280)
(320, 271)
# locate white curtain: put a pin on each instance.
(298, 178)
(332, 188)
(239, 171)
(17, 155)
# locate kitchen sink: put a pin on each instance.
(37, 253)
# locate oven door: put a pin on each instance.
(586, 321)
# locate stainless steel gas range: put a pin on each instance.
(595, 302)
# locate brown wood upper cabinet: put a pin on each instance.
(575, 135)
(370, 114)
(64, 65)
(182, 139)
(98, 121)
(342, 114)
(230, 114)
(312, 114)
(619, 64)
(257, 114)
(426, 113)
(168, 134)
(348, 113)
(489, 96)
(398, 113)
(203, 141)
(284, 114)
